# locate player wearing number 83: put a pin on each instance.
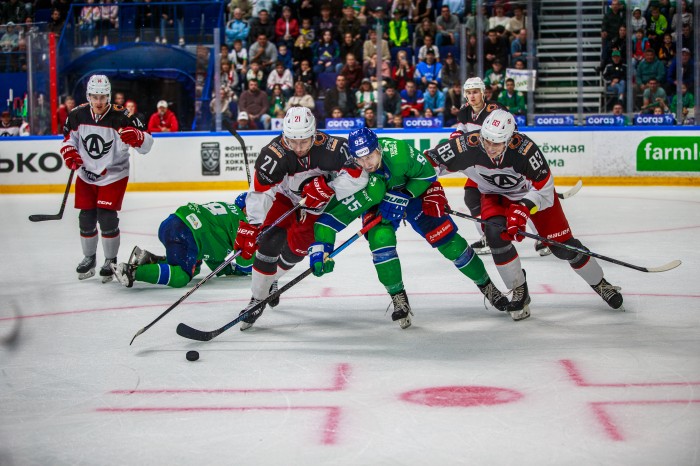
(516, 184)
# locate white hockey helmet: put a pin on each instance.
(98, 84)
(299, 123)
(473, 83)
(498, 126)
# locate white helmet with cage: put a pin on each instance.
(498, 127)
(473, 83)
(299, 123)
(98, 84)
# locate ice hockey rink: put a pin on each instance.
(328, 378)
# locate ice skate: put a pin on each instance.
(86, 268)
(542, 249)
(402, 310)
(106, 271)
(610, 294)
(141, 256)
(124, 273)
(481, 247)
(273, 289)
(250, 319)
(494, 296)
(520, 304)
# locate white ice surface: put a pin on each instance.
(325, 377)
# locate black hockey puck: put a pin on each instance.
(192, 355)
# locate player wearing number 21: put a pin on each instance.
(97, 138)
(301, 163)
(516, 185)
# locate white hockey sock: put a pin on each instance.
(592, 273)
(260, 284)
(89, 245)
(512, 273)
(110, 246)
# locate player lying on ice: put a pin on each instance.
(402, 186)
(195, 233)
(516, 184)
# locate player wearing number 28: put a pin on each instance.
(97, 139)
(299, 163)
(516, 184)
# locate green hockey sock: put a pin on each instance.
(464, 258)
(162, 274)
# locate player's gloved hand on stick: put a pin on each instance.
(393, 206)
(317, 258)
(516, 219)
(132, 136)
(317, 193)
(71, 157)
(246, 239)
(434, 200)
(456, 134)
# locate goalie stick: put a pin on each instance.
(240, 140)
(59, 215)
(662, 268)
(200, 335)
(221, 266)
(570, 193)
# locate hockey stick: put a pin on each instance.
(572, 191)
(662, 268)
(59, 215)
(238, 137)
(200, 335)
(221, 266)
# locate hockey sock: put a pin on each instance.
(89, 244)
(591, 271)
(512, 273)
(109, 225)
(260, 284)
(458, 251)
(162, 274)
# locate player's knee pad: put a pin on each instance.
(109, 222)
(574, 258)
(502, 251)
(472, 198)
(272, 242)
(381, 236)
(454, 248)
(87, 222)
(288, 258)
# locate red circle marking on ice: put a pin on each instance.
(461, 396)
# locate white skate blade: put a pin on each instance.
(524, 313)
(544, 252)
(483, 251)
(86, 275)
(405, 322)
(107, 279)
(245, 326)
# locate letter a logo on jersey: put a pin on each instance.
(95, 146)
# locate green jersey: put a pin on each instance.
(214, 226)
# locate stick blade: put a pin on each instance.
(193, 334)
(137, 334)
(572, 191)
(43, 217)
(666, 267)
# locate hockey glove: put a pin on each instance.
(456, 134)
(132, 136)
(318, 252)
(393, 207)
(434, 200)
(516, 219)
(71, 157)
(317, 193)
(246, 239)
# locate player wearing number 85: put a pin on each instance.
(195, 233)
(516, 185)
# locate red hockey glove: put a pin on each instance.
(317, 193)
(434, 200)
(246, 239)
(516, 219)
(132, 136)
(71, 157)
(456, 134)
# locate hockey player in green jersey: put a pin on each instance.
(195, 233)
(402, 185)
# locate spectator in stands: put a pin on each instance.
(447, 26)
(615, 76)
(650, 68)
(64, 109)
(405, 7)
(639, 45)
(513, 100)
(434, 99)
(244, 123)
(133, 110)
(239, 60)
(352, 46)
(237, 29)
(350, 24)
(282, 77)
(246, 7)
(428, 71)
(300, 98)
(450, 72)
(119, 99)
(403, 71)
(499, 18)
(261, 24)
(109, 20)
(488, 94)
(495, 48)
(325, 22)
(425, 28)
(370, 117)
(229, 77)
(147, 21)
(10, 40)
(254, 102)
(378, 16)
(89, 15)
(638, 21)
(326, 53)
(370, 47)
(517, 22)
(391, 103)
(494, 78)
(518, 48)
(453, 102)
(264, 52)
(285, 56)
(667, 51)
(10, 126)
(687, 72)
(286, 28)
(303, 44)
(14, 11)
(398, 30)
(411, 101)
(686, 17)
(225, 99)
(336, 112)
(56, 22)
(163, 120)
(342, 97)
(262, 5)
(686, 37)
(369, 70)
(423, 9)
(612, 20)
(278, 102)
(471, 55)
(654, 96)
(619, 111)
(619, 42)
(255, 72)
(307, 76)
(365, 96)
(352, 70)
(656, 27)
(428, 45)
(687, 103)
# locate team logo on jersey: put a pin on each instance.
(194, 221)
(95, 146)
(503, 180)
(211, 155)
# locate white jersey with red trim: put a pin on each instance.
(96, 137)
(521, 174)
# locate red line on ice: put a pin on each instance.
(575, 375)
